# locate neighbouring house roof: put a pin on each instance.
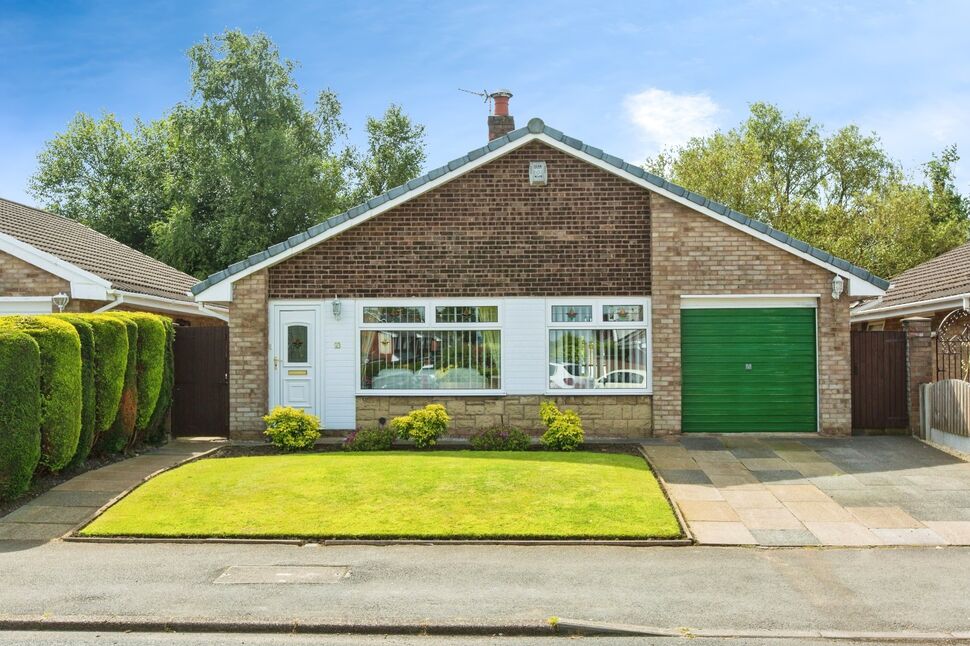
(124, 268)
(535, 130)
(939, 281)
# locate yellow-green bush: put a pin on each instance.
(85, 332)
(564, 429)
(156, 426)
(422, 426)
(291, 429)
(122, 428)
(60, 385)
(19, 412)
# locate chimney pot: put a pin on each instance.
(500, 123)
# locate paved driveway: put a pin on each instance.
(772, 490)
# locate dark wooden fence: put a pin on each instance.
(879, 380)
(201, 402)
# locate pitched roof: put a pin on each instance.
(946, 275)
(126, 269)
(538, 127)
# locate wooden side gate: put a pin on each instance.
(879, 380)
(201, 402)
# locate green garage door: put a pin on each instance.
(748, 370)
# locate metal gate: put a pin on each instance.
(201, 402)
(879, 380)
(953, 347)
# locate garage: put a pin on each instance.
(749, 365)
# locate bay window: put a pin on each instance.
(598, 345)
(436, 346)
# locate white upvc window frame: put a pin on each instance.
(598, 304)
(430, 323)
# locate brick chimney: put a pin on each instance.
(501, 122)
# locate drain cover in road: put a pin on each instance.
(235, 574)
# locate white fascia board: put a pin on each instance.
(222, 291)
(740, 301)
(929, 306)
(169, 305)
(84, 284)
(856, 286)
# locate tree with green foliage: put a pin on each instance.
(841, 192)
(240, 165)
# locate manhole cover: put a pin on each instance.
(283, 574)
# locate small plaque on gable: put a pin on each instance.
(538, 176)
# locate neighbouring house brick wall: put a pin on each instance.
(694, 254)
(248, 358)
(608, 416)
(489, 233)
(20, 278)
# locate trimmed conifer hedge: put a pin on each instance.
(85, 332)
(156, 426)
(60, 385)
(122, 428)
(19, 412)
(110, 362)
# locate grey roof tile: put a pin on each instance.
(537, 126)
(125, 268)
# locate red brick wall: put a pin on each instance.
(489, 233)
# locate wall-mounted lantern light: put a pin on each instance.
(838, 286)
(336, 305)
(61, 300)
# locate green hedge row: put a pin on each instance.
(73, 383)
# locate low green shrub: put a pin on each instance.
(156, 426)
(564, 429)
(60, 385)
(370, 439)
(422, 426)
(122, 428)
(500, 438)
(19, 412)
(85, 332)
(292, 429)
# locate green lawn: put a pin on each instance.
(439, 494)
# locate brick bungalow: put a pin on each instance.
(538, 267)
(43, 256)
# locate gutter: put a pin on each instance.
(916, 307)
(163, 303)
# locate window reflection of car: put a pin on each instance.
(461, 379)
(623, 379)
(394, 379)
(426, 377)
(568, 375)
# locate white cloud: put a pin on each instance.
(666, 119)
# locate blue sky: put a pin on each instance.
(629, 77)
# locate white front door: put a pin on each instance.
(295, 359)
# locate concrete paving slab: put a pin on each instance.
(722, 533)
(694, 492)
(769, 519)
(735, 481)
(751, 499)
(884, 518)
(779, 476)
(707, 510)
(685, 476)
(817, 469)
(765, 464)
(702, 457)
(824, 512)
(723, 468)
(909, 536)
(937, 483)
(838, 482)
(797, 493)
(843, 533)
(955, 532)
(37, 513)
(785, 537)
(33, 531)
